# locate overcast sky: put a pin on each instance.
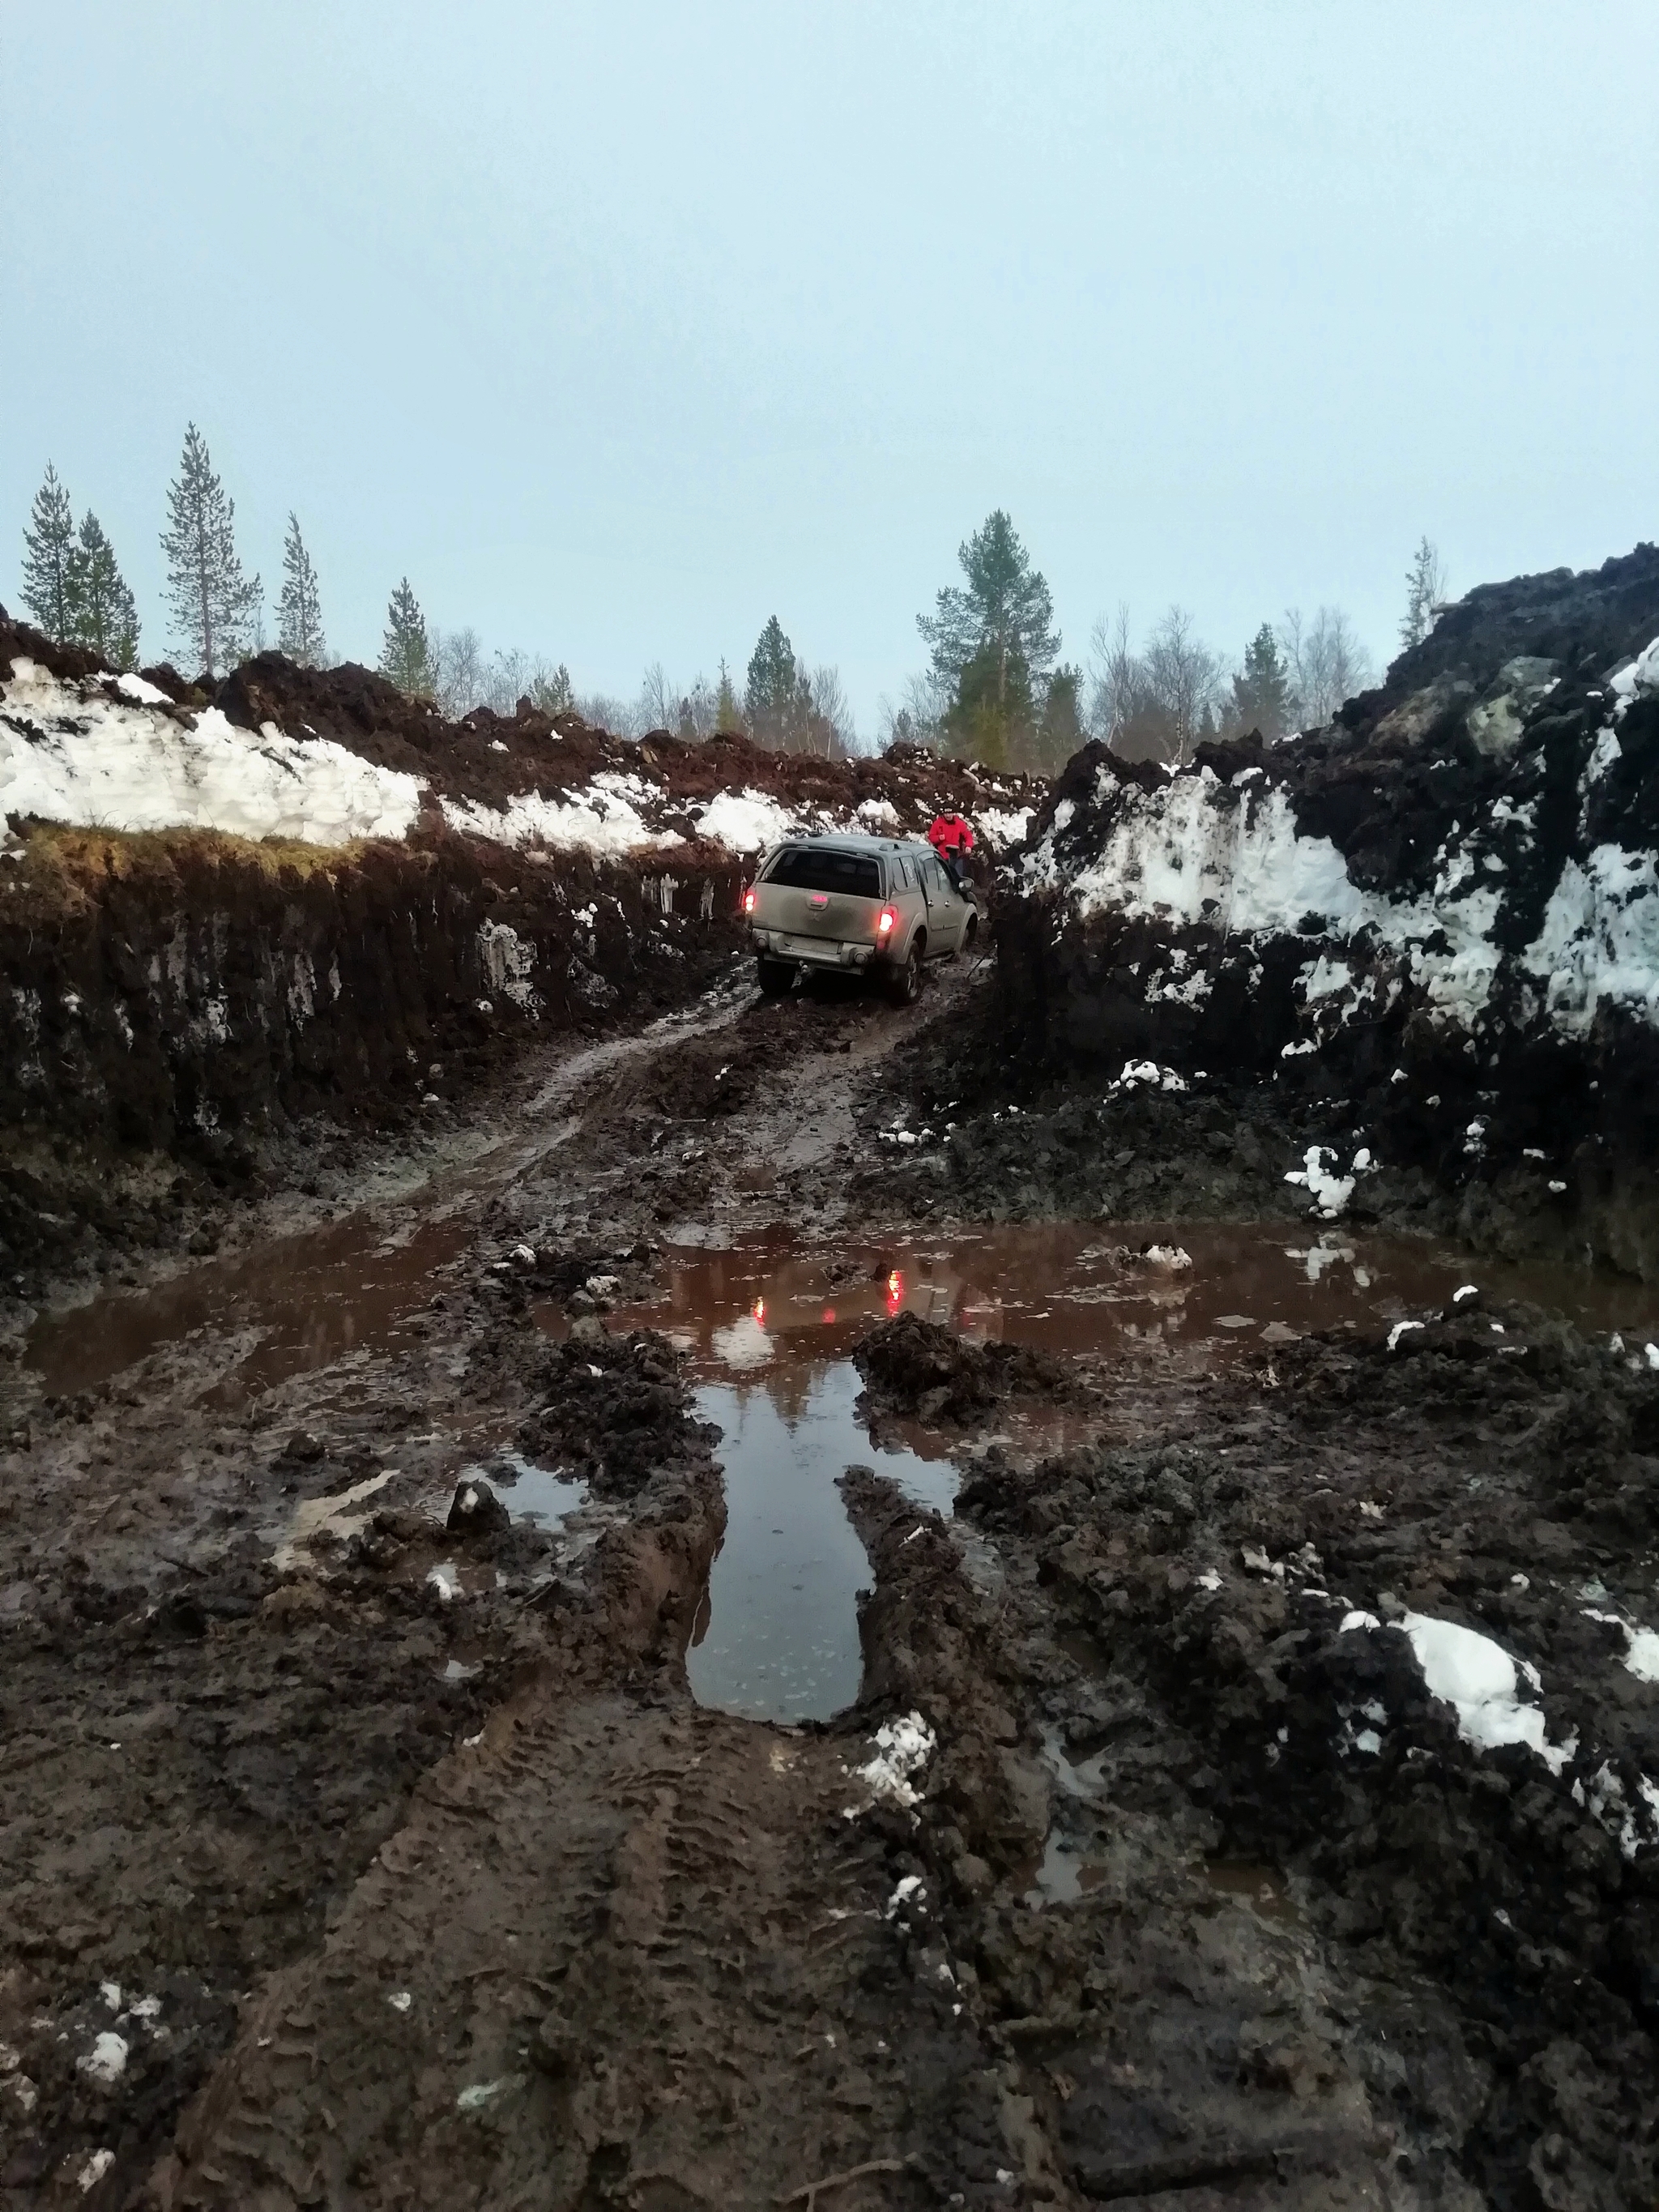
(621, 326)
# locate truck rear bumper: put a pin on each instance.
(812, 951)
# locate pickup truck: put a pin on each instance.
(881, 907)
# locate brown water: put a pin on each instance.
(767, 1322)
(307, 1300)
(767, 1305)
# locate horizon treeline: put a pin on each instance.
(995, 688)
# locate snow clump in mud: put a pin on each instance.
(1480, 1680)
(904, 1748)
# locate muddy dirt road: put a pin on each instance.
(470, 1738)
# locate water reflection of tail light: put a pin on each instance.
(887, 921)
(829, 1316)
(749, 900)
(758, 1310)
(895, 1292)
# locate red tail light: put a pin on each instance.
(749, 900)
(887, 921)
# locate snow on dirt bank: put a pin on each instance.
(1441, 912)
(225, 909)
(92, 750)
(74, 753)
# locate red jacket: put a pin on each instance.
(949, 833)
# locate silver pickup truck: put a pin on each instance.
(859, 905)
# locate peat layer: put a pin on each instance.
(174, 1000)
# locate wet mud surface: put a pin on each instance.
(426, 1782)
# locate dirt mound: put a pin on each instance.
(910, 1365)
(1427, 936)
(1376, 1641)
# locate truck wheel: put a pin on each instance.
(904, 985)
(774, 976)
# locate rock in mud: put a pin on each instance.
(474, 1511)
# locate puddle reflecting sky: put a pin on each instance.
(778, 1636)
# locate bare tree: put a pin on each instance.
(831, 717)
(916, 718)
(1328, 663)
(607, 713)
(458, 671)
(1184, 677)
(698, 715)
(659, 701)
(1117, 675)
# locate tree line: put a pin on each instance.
(784, 703)
(996, 689)
(73, 587)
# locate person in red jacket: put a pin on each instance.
(952, 840)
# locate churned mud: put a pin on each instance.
(652, 1647)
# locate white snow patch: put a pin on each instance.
(1174, 1257)
(143, 695)
(1004, 826)
(69, 753)
(1482, 1682)
(1641, 1646)
(1399, 1329)
(507, 961)
(903, 1747)
(1599, 938)
(909, 1890)
(94, 2170)
(747, 821)
(1330, 1191)
(1146, 1075)
(107, 2060)
(602, 816)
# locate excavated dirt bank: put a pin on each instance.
(1423, 939)
(180, 1005)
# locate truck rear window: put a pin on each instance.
(807, 868)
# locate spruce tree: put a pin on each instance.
(727, 714)
(1261, 689)
(1007, 611)
(299, 610)
(405, 655)
(216, 609)
(48, 542)
(770, 692)
(103, 614)
(551, 691)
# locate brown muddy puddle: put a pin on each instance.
(767, 1322)
(768, 1325)
(306, 1301)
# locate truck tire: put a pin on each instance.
(904, 983)
(774, 976)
